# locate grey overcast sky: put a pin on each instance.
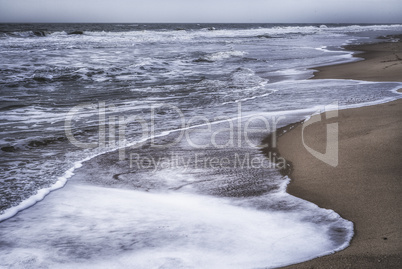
(270, 11)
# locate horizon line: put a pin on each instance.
(22, 22)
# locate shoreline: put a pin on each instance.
(380, 62)
(365, 187)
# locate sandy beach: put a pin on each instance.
(366, 185)
(382, 62)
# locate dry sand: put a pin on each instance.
(366, 186)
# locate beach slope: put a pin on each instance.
(366, 186)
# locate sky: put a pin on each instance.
(203, 11)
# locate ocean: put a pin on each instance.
(141, 144)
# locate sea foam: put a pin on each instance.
(89, 227)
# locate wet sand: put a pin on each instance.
(382, 62)
(366, 186)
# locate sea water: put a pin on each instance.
(155, 131)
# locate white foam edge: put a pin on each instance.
(365, 104)
(349, 236)
(62, 180)
(348, 56)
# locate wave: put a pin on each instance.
(27, 34)
(167, 230)
(221, 55)
(34, 143)
(35, 33)
(45, 141)
(185, 32)
(316, 231)
(51, 74)
(61, 181)
(12, 105)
